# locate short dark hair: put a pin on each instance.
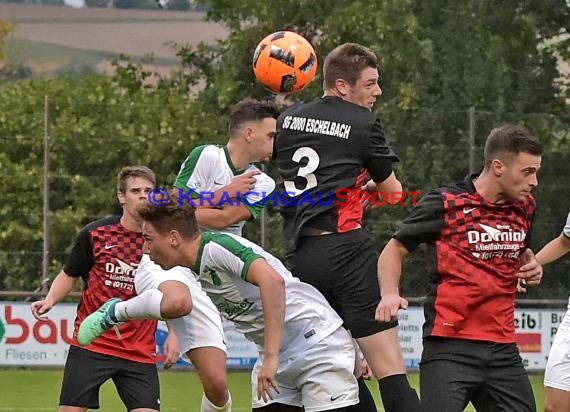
(175, 215)
(347, 62)
(134, 171)
(510, 140)
(248, 110)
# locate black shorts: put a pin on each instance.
(343, 267)
(85, 371)
(454, 372)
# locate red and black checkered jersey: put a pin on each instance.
(105, 255)
(324, 146)
(473, 251)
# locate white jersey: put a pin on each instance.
(557, 372)
(202, 327)
(222, 265)
(209, 168)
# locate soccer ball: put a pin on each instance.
(284, 62)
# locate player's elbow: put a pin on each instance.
(278, 281)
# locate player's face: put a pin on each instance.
(135, 194)
(159, 246)
(365, 90)
(262, 136)
(520, 176)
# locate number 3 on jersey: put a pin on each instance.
(306, 172)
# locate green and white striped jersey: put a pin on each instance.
(208, 168)
(222, 266)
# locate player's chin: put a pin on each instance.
(160, 262)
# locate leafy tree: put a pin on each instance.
(439, 59)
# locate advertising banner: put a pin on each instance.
(27, 342)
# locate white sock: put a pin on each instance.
(208, 406)
(144, 306)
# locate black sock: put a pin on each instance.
(366, 403)
(397, 394)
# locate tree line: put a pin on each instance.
(439, 61)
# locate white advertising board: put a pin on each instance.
(27, 342)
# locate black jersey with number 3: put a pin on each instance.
(322, 147)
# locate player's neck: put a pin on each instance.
(190, 251)
(131, 223)
(239, 157)
(487, 186)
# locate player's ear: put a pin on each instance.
(497, 167)
(248, 131)
(341, 86)
(121, 198)
(174, 239)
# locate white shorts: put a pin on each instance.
(200, 328)
(320, 379)
(557, 373)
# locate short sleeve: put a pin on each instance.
(80, 260)
(424, 224)
(378, 157)
(566, 230)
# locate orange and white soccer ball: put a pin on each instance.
(284, 62)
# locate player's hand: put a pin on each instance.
(368, 191)
(521, 286)
(530, 271)
(266, 382)
(388, 307)
(366, 370)
(40, 308)
(171, 350)
(241, 184)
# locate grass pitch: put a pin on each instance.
(37, 390)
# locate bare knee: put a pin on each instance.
(176, 301)
(216, 389)
(176, 306)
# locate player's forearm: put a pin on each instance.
(555, 249)
(390, 185)
(390, 267)
(210, 218)
(60, 287)
(220, 219)
(273, 301)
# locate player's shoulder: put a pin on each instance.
(207, 150)
(328, 105)
(103, 223)
(229, 242)
(221, 238)
(465, 187)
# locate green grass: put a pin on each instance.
(33, 390)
